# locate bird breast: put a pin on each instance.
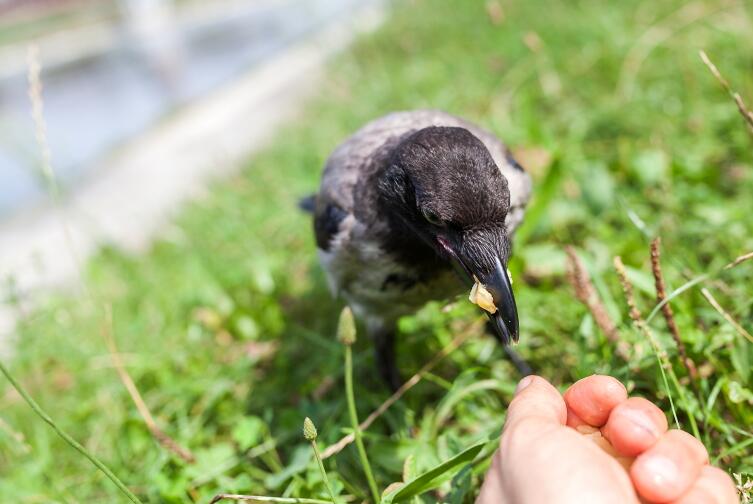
(375, 285)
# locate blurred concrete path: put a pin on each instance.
(145, 181)
(107, 81)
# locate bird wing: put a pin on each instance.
(353, 160)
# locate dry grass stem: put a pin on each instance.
(405, 387)
(34, 77)
(37, 114)
(713, 302)
(744, 111)
(627, 287)
(664, 365)
(579, 278)
(739, 260)
(166, 441)
(666, 309)
(635, 313)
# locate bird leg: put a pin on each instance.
(386, 361)
(384, 345)
(519, 362)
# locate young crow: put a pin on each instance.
(408, 202)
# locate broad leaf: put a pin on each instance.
(434, 477)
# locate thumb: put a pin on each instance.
(536, 399)
(536, 406)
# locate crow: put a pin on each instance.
(415, 206)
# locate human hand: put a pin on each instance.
(596, 445)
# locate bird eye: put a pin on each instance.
(433, 218)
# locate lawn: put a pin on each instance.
(228, 330)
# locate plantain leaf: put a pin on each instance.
(434, 477)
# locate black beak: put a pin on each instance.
(497, 282)
(505, 319)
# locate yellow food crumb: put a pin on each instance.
(482, 297)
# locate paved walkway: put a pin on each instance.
(145, 182)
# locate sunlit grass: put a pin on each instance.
(228, 330)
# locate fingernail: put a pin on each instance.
(661, 470)
(523, 384)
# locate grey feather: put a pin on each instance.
(378, 288)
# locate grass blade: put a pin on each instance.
(434, 477)
(68, 439)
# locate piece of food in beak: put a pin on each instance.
(482, 297)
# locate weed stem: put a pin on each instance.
(310, 434)
(354, 423)
(323, 471)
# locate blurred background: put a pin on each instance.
(113, 69)
(152, 155)
(128, 94)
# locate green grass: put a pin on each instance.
(646, 144)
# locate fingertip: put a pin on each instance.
(697, 495)
(698, 450)
(668, 469)
(720, 483)
(634, 426)
(712, 486)
(658, 478)
(536, 398)
(534, 383)
(525, 382)
(593, 398)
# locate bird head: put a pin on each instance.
(443, 186)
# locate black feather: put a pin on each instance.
(308, 203)
(327, 225)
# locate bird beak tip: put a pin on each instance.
(505, 319)
(498, 283)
